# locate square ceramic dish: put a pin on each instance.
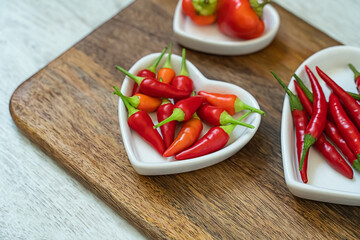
(325, 184)
(209, 39)
(147, 161)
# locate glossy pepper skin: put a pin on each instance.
(330, 128)
(241, 18)
(215, 139)
(300, 119)
(183, 110)
(318, 118)
(154, 88)
(216, 116)
(356, 76)
(346, 127)
(329, 152)
(350, 104)
(167, 130)
(182, 81)
(201, 12)
(166, 73)
(188, 134)
(144, 102)
(148, 72)
(141, 123)
(230, 102)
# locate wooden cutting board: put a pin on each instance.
(67, 109)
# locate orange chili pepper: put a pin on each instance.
(188, 134)
(166, 73)
(144, 102)
(230, 102)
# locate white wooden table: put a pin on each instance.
(39, 200)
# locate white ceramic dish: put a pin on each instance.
(147, 161)
(325, 184)
(209, 39)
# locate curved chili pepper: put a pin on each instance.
(216, 116)
(154, 88)
(318, 118)
(350, 104)
(356, 76)
(148, 72)
(347, 128)
(183, 110)
(326, 148)
(168, 130)
(215, 139)
(201, 12)
(330, 128)
(141, 123)
(166, 73)
(144, 102)
(182, 81)
(300, 121)
(188, 134)
(230, 102)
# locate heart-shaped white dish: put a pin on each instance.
(146, 160)
(209, 39)
(325, 184)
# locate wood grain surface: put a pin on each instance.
(67, 109)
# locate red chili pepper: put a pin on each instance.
(230, 102)
(182, 81)
(141, 123)
(326, 148)
(241, 18)
(154, 88)
(168, 130)
(183, 110)
(201, 12)
(346, 127)
(144, 102)
(350, 104)
(300, 121)
(333, 157)
(148, 72)
(356, 76)
(215, 139)
(216, 116)
(318, 118)
(166, 73)
(188, 134)
(330, 128)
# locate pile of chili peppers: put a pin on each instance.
(235, 18)
(181, 114)
(331, 127)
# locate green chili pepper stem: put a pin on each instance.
(129, 107)
(165, 101)
(295, 102)
(240, 105)
(307, 91)
(226, 118)
(183, 71)
(195, 115)
(230, 128)
(167, 63)
(137, 79)
(356, 163)
(308, 141)
(177, 115)
(205, 7)
(258, 7)
(356, 72)
(153, 67)
(354, 95)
